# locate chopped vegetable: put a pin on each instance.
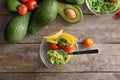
(68, 49)
(53, 46)
(55, 58)
(70, 39)
(52, 41)
(55, 36)
(60, 41)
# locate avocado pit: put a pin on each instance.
(70, 13)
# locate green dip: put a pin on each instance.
(55, 58)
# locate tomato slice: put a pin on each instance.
(88, 42)
(68, 48)
(54, 46)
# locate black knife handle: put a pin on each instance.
(86, 52)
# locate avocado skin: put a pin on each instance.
(76, 1)
(77, 9)
(16, 29)
(11, 5)
(45, 14)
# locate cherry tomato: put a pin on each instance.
(112, 0)
(68, 48)
(88, 42)
(32, 0)
(118, 14)
(53, 46)
(31, 4)
(24, 0)
(22, 9)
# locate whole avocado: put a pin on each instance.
(45, 14)
(76, 1)
(16, 29)
(11, 5)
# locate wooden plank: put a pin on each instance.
(4, 11)
(59, 76)
(4, 19)
(101, 29)
(2, 8)
(85, 9)
(26, 58)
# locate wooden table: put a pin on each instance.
(22, 61)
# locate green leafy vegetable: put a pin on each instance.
(103, 6)
(63, 42)
(52, 41)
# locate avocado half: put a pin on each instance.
(70, 13)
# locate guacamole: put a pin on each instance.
(55, 58)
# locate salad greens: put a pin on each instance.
(103, 6)
(53, 41)
(60, 45)
(60, 41)
(63, 42)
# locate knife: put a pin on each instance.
(84, 52)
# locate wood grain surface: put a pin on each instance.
(101, 29)
(26, 58)
(60, 76)
(22, 61)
